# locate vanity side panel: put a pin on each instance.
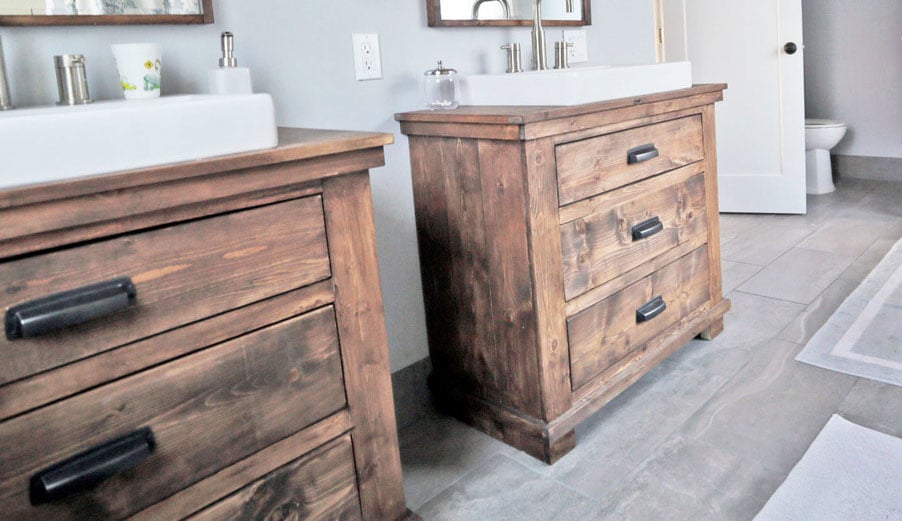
(360, 317)
(505, 197)
(709, 134)
(454, 266)
(547, 278)
(471, 220)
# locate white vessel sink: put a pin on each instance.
(574, 86)
(44, 144)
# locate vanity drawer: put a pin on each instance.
(240, 258)
(596, 165)
(609, 330)
(319, 487)
(615, 238)
(206, 412)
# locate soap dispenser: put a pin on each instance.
(229, 78)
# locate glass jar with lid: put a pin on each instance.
(440, 88)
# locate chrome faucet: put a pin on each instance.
(5, 103)
(505, 7)
(539, 55)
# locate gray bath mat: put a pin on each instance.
(848, 473)
(864, 336)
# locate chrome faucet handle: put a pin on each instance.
(562, 54)
(514, 63)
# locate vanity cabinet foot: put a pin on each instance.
(711, 332)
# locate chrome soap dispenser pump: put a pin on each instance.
(440, 88)
(229, 78)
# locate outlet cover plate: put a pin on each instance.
(579, 52)
(367, 60)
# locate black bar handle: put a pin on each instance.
(653, 308)
(646, 229)
(69, 308)
(641, 153)
(88, 469)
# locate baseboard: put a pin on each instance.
(867, 167)
(411, 391)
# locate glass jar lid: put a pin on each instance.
(440, 70)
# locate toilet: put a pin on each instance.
(820, 136)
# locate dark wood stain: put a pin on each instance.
(524, 218)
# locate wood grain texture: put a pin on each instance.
(619, 377)
(363, 150)
(600, 246)
(244, 257)
(546, 276)
(504, 205)
(210, 410)
(522, 380)
(605, 333)
(79, 210)
(710, 137)
(364, 344)
(42, 388)
(522, 115)
(318, 487)
(599, 293)
(230, 370)
(594, 166)
(194, 498)
(458, 282)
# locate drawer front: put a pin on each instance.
(608, 331)
(319, 487)
(206, 412)
(609, 242)
(181, 274)
(593, 166)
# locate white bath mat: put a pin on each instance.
(849, 473)
(864, 336)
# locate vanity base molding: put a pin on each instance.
(565, 252)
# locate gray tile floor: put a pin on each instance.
(714, 430)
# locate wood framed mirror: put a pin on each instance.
(105, 12)
(504, 13)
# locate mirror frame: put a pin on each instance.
(111, 19)
(434, 18)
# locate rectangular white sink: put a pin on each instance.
(44, 144)
(574, 86)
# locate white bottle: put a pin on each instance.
(229, 78)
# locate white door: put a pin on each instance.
(761, 122)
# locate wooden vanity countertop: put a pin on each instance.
(294, 144)
(521, 114)
(38, 216)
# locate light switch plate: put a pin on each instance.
(579, 51)
(367, 61)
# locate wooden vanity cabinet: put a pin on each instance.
(565, 251)
(235, 356)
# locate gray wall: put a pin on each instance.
(300, 52)
(853, 71)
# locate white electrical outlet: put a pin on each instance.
(579, 51)
(367, 63)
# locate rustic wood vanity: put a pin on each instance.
(565, 251)
(203, 340)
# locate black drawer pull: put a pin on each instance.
(646, 229)
(641, 153)
(69, 308)
(649, 311)
(86, 470)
